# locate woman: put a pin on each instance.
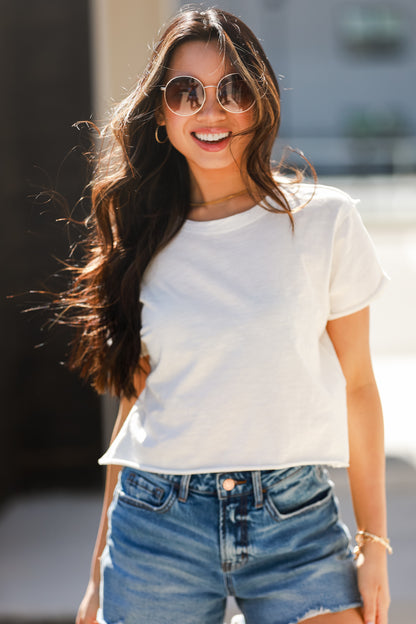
(228, 308)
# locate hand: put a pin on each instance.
(373, 583)
(87, 612)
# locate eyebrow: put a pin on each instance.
(232, 70)
(178, 75)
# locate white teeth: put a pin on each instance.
(211, 137)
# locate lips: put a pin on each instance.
(211, 137)
(212, 140)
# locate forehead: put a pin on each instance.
(201, 59)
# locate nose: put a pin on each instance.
(211, 107)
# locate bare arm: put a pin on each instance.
(350, 337)
(89, 605)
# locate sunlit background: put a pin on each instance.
(347, 73)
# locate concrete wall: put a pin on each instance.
(122, 32)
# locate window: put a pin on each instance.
(373, 30)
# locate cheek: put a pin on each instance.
(176, 138)
(174, 127)
(246, 120)
(244, 124)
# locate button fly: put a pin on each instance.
(228, 484)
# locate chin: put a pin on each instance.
(215, 161)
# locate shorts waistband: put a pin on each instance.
(226, 485)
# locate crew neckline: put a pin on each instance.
(226, 224)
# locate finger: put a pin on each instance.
(369, 608)
(382, 611)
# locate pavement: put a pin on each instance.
(46, 542)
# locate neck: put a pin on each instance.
(219, 200)
(220, 207)
(211, 185)
(217, 193)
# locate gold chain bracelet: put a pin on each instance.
(364, 536)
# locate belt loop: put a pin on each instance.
(184, 488)
(257, 488)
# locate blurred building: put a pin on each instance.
(348, 78)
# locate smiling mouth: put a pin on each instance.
(215, 137)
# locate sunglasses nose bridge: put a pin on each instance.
(211, 102)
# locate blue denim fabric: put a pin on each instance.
(178, 545)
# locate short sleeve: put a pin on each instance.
(356, 274)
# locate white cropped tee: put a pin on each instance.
(243, 373)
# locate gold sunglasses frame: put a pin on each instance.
(204, 87)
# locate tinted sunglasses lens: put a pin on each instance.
(234, 94)
(184, 95)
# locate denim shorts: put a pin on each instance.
(178, 545)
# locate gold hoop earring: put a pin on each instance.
(157, 136)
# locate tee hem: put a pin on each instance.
(209, 469)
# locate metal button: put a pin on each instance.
(228, 484)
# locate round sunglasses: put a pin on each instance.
(186, 95)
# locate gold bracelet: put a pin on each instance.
(364, 536)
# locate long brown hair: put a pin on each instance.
(140, 196)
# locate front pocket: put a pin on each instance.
(306, 490)
(146, 491)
